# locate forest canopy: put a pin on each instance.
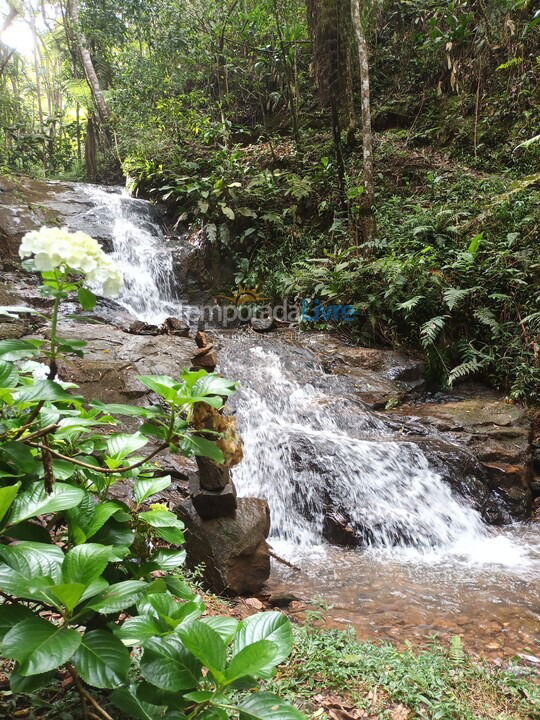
(379, 153)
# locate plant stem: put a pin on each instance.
(107, 471)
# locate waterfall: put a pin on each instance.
(141, 252)
(302, 456)
(307, 449)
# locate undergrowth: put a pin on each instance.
(438, 683)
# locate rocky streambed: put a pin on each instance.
(407, 512)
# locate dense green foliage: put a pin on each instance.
(215, 112)
(85, 576)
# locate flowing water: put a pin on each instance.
(429, 562)
(142, 253)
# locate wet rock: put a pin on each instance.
(207, 362)
(254, 603)
(338, 531)
(12, 330)
(199, 266)
(211, 504)
(496, 434)
(212, 476)
(262, 325)
(113, 360)
(233, 550)
(143, 328)
(175, 326)
(26, 204)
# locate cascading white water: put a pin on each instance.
(140, 250)
(302, 460)
(299, 453)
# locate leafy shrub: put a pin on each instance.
(84, 576)
(462, 286)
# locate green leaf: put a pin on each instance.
(207, 646)
(252, 659)
(212, 384)
(138, 630)
(96, 587)
(20, 684)
(266, 706)
(33, 559)
(146, 487)
(10, 615)
(8, 375)
(121, 445)
(169, 559)
(126, 700)
(18, 349)
(85, 563)
(167, 525)
(162, 385)
(68, 594)
(102, 660)
(170, 666)
(130, 410)
(273, 626)
(7, 496)
(19, 585)
(39, 646)
(35, 501)
(195, 445)
(86, 298)
(224, 626)
(43, 391)
(119, 596)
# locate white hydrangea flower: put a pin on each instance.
(58, 248)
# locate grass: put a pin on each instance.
(333, 676)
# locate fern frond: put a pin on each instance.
(453, 296)
(460, 371)
(430, 330)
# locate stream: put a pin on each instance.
(429, 563)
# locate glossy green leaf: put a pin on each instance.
(126, 700)
(119, 596)
(251, 660)
(33, 559)
(146, 487)
(86, 298)
(39, 646)
(266, 706)
(67, 595)
(102, 660)
(206, 645)
(8, 374)
(18, 349)
(85, 563)
(20, 684)
(169, 559)
(44, 390)
(10, 615)
(170, 666)
(273, 626)
(138, 630)
(195, 445)
(225, 626)
(35, 501)
(121, 445)
(7, 496)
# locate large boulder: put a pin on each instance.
(26, 204)
(232, 550)
(496, 434)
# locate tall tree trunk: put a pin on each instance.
(368, 218)
(90, 151)
(91, 76)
